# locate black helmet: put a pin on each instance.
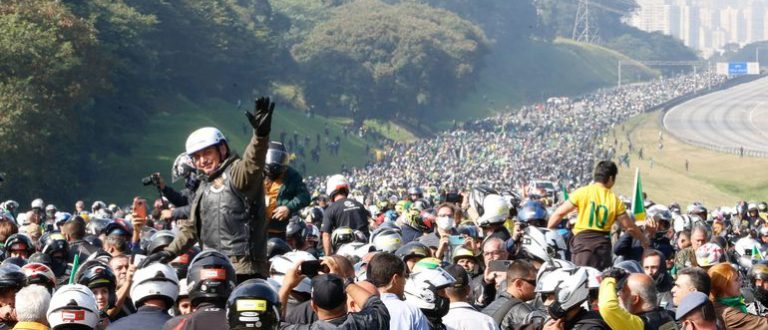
(19, 242)
(296, 229)
(253, 305)
(341, 236)
(276, 247)
(211, 278)
(159, 241)
(276, 160)
(93, 240)
(316, 215)
(14, 261)
(181, 263)
(96, 274)
(413, 249)
(96, 226)
(11, 277)
(54, 244)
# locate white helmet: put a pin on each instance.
(594, 277)
(387, 240)
(552, 265)
(570, 293)
(681, 222)
(543, 244)
(203, 138)
(495, 210)
(549, 281)
(73, 304)
(349, 250)
(421, 288)
(38, 204)
(335, 183)
(280, 265)
(98, 206)
(155, 281)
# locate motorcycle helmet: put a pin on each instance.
(387, 240)
(276, 247)
(19, 243)
(421, 290)
(96, 274)
(413, 250)
(73, 304)
(570, 293)
(253, 304)
(159, 241)
(342, 235)
(211, 277)
(37, 273)
(156, 281)
(280, 265)
(181, 263)
(496, 211)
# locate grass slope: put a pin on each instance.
(518, 76)
(155, 150)
(714, 178)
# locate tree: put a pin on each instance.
(377, 60)
(50, 66)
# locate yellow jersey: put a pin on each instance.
(598, 208)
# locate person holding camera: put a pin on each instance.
(227, 212)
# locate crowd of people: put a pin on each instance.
(556, 141)
(439, 235)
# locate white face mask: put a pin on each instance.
(445, 223)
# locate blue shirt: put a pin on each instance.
(403, 315)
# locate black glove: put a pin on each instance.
(163, 257)
(261, 118)
(619, 274)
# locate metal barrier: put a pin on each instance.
(664, 107)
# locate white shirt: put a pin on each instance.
(462, 316)
(403, 315)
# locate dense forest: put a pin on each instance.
(77, 77)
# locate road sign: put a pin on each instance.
(737, 68)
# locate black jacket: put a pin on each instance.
(206, 317)
(508, 311)
(373, 316)
(146, 318)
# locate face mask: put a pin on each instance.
(445, 223)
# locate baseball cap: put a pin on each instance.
(460, 274)
(328, 291)
(690, 302)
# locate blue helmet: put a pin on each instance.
(532, 211)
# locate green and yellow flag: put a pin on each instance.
(756, 253)
(638, 204)
(565, 192)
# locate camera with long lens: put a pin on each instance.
(152, 179)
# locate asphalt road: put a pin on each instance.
(733, 118)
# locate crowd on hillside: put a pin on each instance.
(440, 234)
(553, 141)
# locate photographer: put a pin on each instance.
(329, 300)
(181, 200)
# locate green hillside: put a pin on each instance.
(515, 77)
(119, 176)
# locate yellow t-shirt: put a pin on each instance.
(598, 208)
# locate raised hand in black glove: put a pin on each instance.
(261, 118)
(619, 274)
(162, 257)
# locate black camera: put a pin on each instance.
(152, 179)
